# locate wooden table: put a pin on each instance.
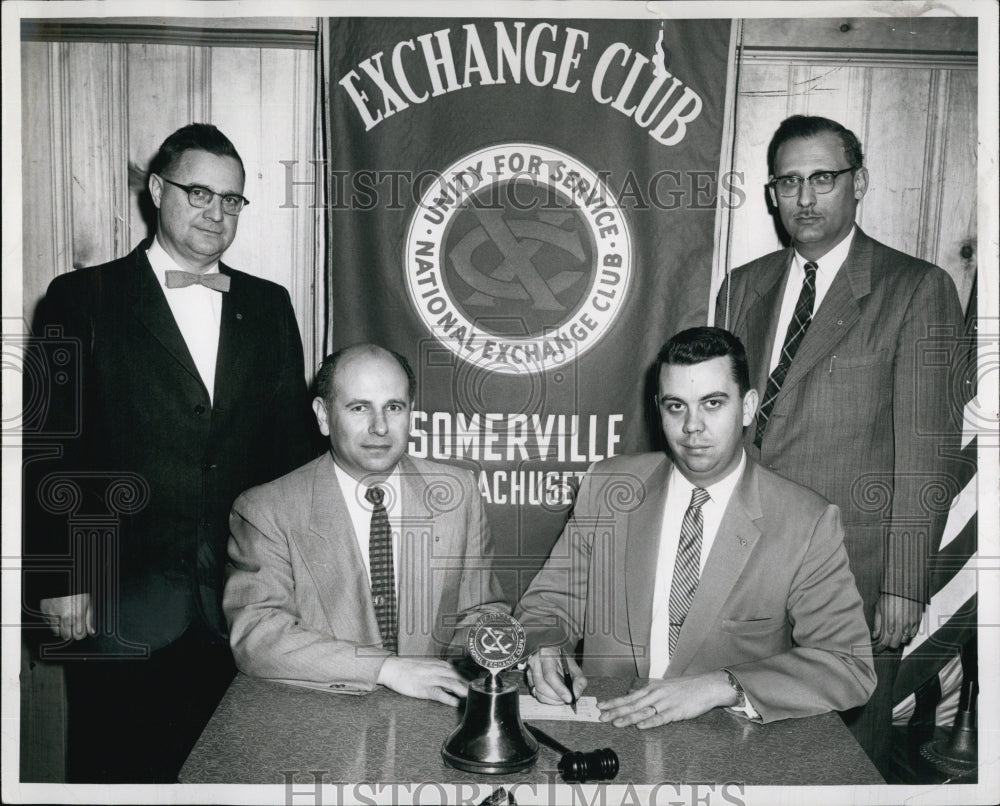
(272, 733)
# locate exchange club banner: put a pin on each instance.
(525, 209)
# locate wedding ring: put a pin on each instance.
(655, 712)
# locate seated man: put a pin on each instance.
(721, 582)
(319, 559)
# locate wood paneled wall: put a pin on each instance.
(94, 114)
(907, 89)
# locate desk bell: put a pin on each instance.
(492, 738)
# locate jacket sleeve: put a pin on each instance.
(268, 635)
(829, 665)
(57, 362)
(295, 439)
(553, 608)
(926, 412)
(479, 590)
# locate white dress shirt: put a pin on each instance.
(826, 269)
(360, 510)
(678, 499)
(197, 311)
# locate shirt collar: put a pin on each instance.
(161, 262)
(830, 263)
(354, 489)
(721, 491)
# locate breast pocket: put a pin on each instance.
(857, 390)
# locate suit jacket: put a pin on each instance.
(866, 404)
(776, 603)
(147, 452)
(297, 597)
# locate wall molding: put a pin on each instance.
(165, 34)
(859, 58)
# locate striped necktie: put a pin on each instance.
(797, 328)
(687, 566)
(383, 577)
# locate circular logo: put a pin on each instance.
(518, 258)
(496, 642)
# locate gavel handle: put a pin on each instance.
(544, 738)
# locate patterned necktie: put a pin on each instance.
(687, 565)
(182, 279)
(793, 338)
(383, 578)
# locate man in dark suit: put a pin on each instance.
(365, 567)
(851, 405)
(718, 582)
(191, 388)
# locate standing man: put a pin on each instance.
(722, 583)
(833, 328)
(365, 567)
(191, 389)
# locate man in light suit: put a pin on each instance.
(721, 582)
(365, 567)
(186, 386)
(845, 337)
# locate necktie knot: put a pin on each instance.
(182, 279)
(811, 269)
(375, 495)
(698, 498)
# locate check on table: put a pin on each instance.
(266, 733)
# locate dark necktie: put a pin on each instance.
(687, 565)
(383, 578)
(793, 338)
(182, 279)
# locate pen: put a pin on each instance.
(568, 680)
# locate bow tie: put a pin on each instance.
(182, 279)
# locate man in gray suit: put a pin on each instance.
(840, 331)
(364, 567)
(713, 579)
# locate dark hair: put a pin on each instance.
(327, 370)
(798, 126)
(193, 137)
(698, 344)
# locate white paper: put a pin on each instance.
(586, 707)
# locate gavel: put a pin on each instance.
(597, 765)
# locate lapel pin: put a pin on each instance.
(743, 541)
(239, 316)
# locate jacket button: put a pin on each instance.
(199, 409)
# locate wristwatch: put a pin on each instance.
(738, 689)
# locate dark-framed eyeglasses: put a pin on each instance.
(200, 196)
(820, 182)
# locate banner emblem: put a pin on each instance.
(518, 258)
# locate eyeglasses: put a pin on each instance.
(820, 182)
(199, 196)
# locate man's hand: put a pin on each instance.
(897, 620)
(545, 677)
(69, 617)
(424, 679)
(670, 700)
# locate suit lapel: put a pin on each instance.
(734, 542)
(149, 306)
(415, 562)
(837, 313)
(642, 549)
(762, 315)
(331, 547)
(235, 355)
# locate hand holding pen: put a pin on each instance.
(568, 680)
(554, 678)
